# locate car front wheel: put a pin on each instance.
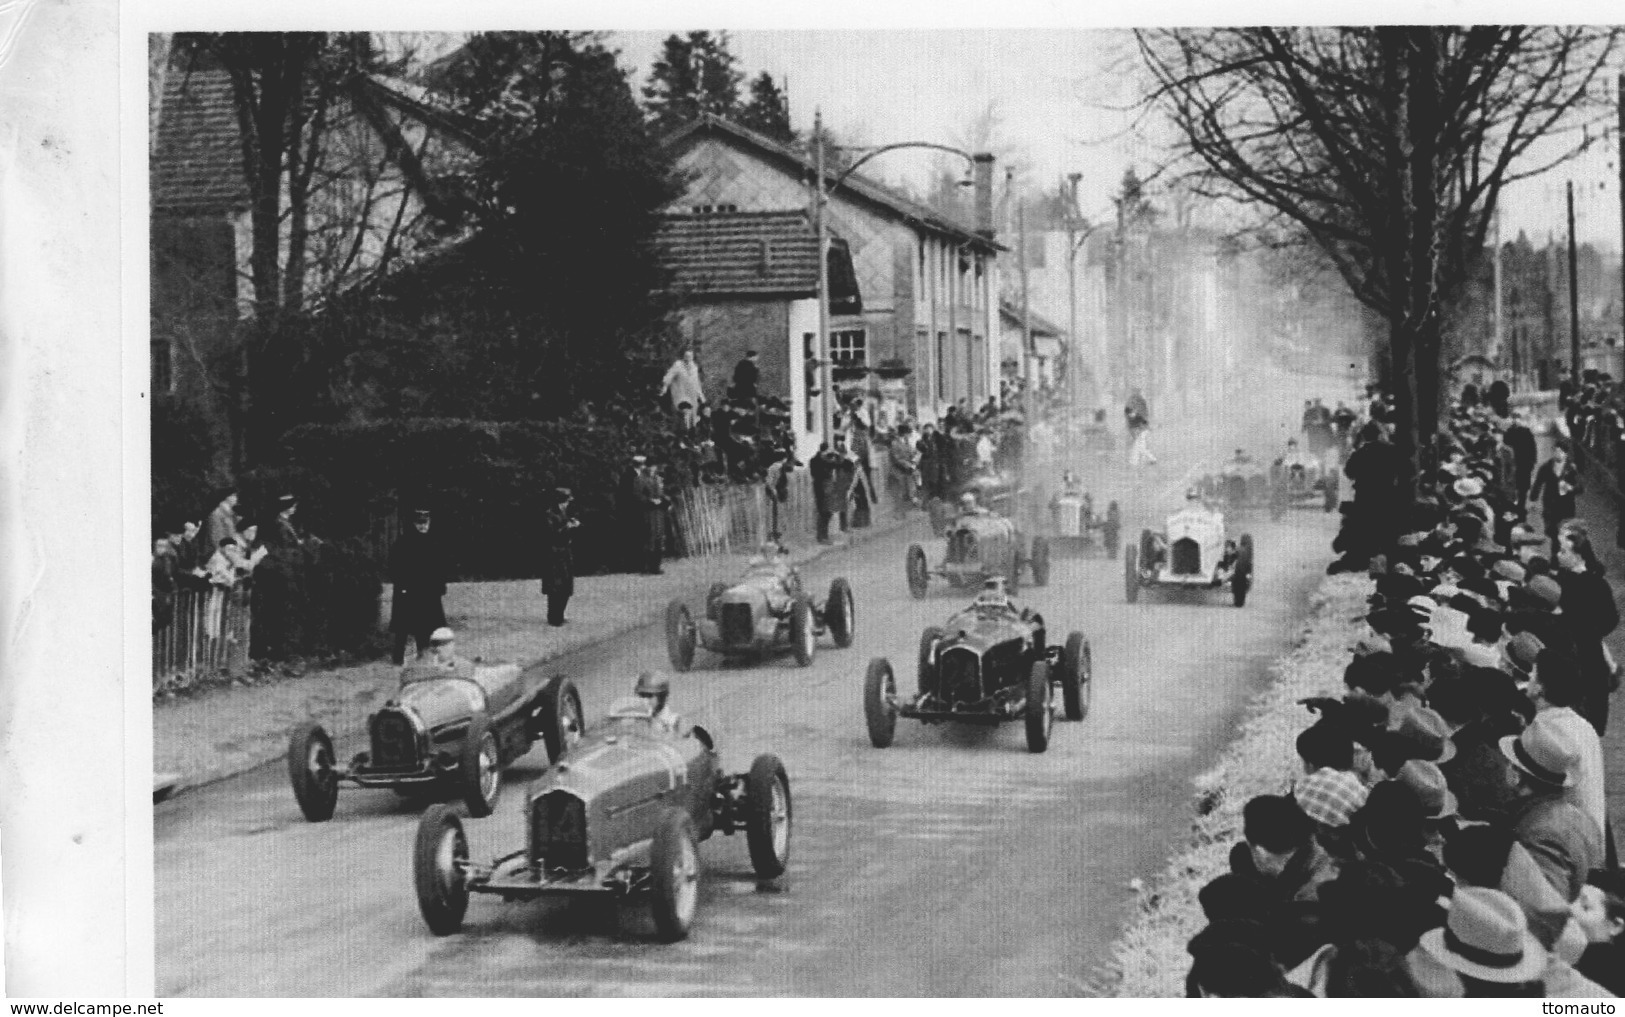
(803, 635)
(479, 768)
(674, 875)
(919, 575)
(768, 816)
(880, 702)
(1073, 676)
(562, 717)
(310, 768)
(439, 856)
(681, 636)
(1039, 715)
(840, 613)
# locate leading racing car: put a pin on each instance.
(989, 663)
(766, 610)
(619, 816)
(1192, 553)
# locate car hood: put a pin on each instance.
(441, 701)
(982, 631)
(616, 759)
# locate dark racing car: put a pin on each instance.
(620, 816)
(764, 612)
(989, 664)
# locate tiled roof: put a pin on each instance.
(197, 166)
(740, 253)
(1039, 324)
(857, 184)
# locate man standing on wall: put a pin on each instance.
(418, 570)
(682, 384)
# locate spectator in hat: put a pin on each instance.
(1587, 602)
(558, 565)
(747, 374)
(1556, 688)
(1233, 959)
(1557, 483)
(1281, 853)
(1488, 855)
(418, 571)
(1330, 790)
(1564, 841)
(222, 520)
(1486, 942)
(1600, 912)
(682, 384)
(643, 495)
(1476, 772)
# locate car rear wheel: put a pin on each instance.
(1073, 677)
(919, 575)
(681, 635)
(674, 875)
(479, 768)
(1112, 532)
(1012, 568)
(1040, 717)
(310, 768)
(803, 638)
(1131, 575)
(880, 702)
(1040, 561)
(768, 816)
(926, 675)
(840, 613)
(563, 720)
(438, 858)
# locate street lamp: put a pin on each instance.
(1074, 243)
(821, 227)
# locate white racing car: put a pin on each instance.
(1193, 552)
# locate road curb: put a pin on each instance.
(170, 785)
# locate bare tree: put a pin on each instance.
(1387, 147)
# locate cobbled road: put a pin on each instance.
(954, 863)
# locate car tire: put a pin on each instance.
(442, 885)
(311, 769)
(803, 635)
(880, 702)
(1040, 561)
(681, 636)
(1073, 677)
(768, 816)
(841, 613)
(1040, 718)
(1012, 567)
(926, 672)
(918, 572)
(1332, 499)
(674, 876)
(716, 591)
(1131, 575)
(479, 768)
(563, 720)
(1112, 533)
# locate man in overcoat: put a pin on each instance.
(558, 567)
(827, 492)
(418, 570)
(648, 495)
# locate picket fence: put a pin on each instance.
(208, 634)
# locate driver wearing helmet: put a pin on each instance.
(995, 597)
(1294, 458)
(652, 691)
(1071, 486)
(968, 505)
(1241, 458)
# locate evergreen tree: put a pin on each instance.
(768, 111)
(695, 74)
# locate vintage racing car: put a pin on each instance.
(765, 610)
(1238, 483)
(980, 546)
(444, 730)
(1073, 524)
(988, 664)
(620, 815)
(1193, 552)
(1298, 480)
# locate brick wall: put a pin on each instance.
(721, 333)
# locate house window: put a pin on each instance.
(849, 347)
(163, 367)
(713, 209)
(809, 354)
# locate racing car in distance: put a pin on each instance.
(1193, 553)
(1239, 483)
(620, 815)
(989, 663)
(445, 730)
(763, 612)
(1298, 480)
(1073, 524)
(980, 546)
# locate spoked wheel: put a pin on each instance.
(880, 702)
(681, 636)
(479, 770)
(439, 857)
(1072, 676)
(674, 875)
(925, 675)
(1040, 714)
(919, 573)
(803, 635)
(768, 816)
(562, 717)
(1041, 561)
(840, 613)
(310, 768)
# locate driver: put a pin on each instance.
(1071, 486)
(1294, 457)
(439, 660)
(1241, 458)
(995, 597)
(968, 505)
(654, 689)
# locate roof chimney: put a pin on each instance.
(983, 180)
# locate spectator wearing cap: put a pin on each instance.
(1556, 687)
(1470, 707)
(1282, 855)
(418, 571)
(1557, 483)
(558, 564)
(644, 495)
(1329, 791)
(1564, 841)
(1487, 855)
(1537, 609)
(1232, 959)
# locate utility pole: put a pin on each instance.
(1574, 298)
(1021, 230)
(1500, 355)
(1074, 359)
(821, 227)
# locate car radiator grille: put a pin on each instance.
(1185, 557)
(559, 832)
(962, 547)
(736, 623)
(959, 676)
(394, 741)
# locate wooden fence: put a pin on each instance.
(208, 634)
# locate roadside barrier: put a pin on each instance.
(207, 634)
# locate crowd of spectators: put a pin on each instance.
(1448, 835)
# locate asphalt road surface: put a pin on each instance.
(953, 863)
